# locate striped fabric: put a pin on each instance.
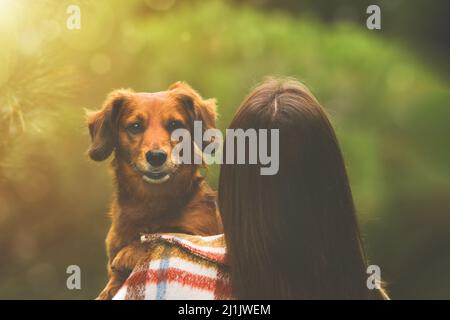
(180, 266)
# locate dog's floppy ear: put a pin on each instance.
(103, 125)
(202, 110)
(199, 109)
(207, 113)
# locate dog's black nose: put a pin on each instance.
(156, 158)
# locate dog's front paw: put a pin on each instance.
(111, 288)
(127, 258)
(104, 295)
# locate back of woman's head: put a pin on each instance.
(291, 235)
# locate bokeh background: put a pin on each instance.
(387, 92)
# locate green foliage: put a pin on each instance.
(390, 113)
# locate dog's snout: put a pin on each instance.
(156, 158)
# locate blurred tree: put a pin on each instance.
(422, 25)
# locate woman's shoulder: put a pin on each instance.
(211, 248)
(180, 266)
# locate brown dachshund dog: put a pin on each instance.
(153, 194)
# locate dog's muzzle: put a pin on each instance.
(154, 176)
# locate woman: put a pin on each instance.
(292, 235)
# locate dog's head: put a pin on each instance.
(138, 127)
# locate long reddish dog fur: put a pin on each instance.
(182, 203)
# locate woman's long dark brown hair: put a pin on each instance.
(293, 235)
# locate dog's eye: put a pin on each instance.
(174, 124)
(135, 128)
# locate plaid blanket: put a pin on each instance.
(180, 266)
